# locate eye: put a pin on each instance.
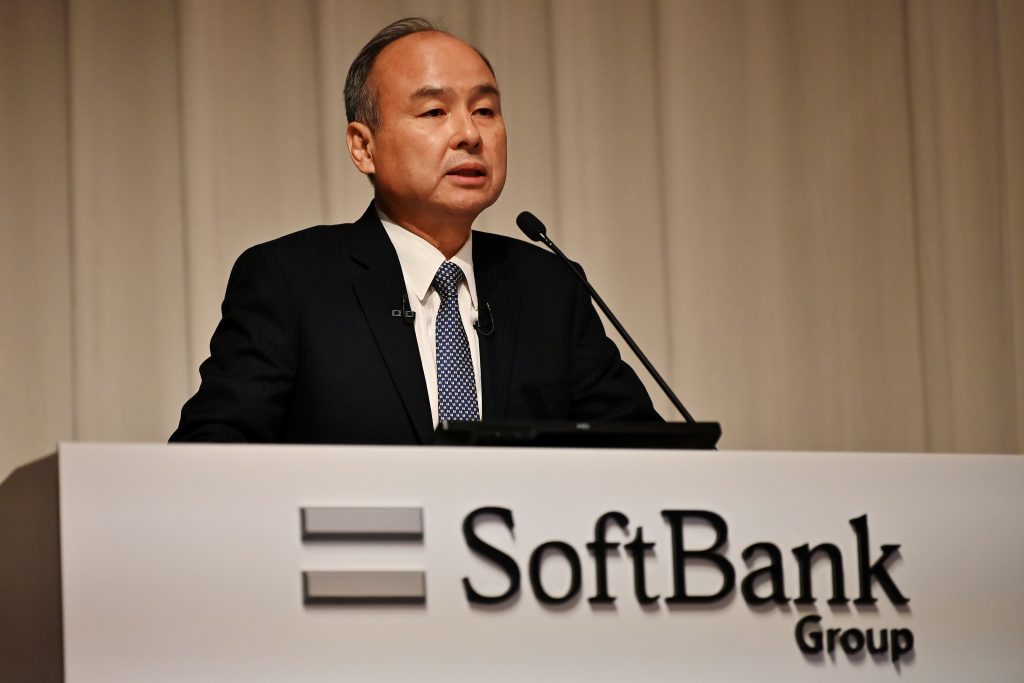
(432, 114)
(484, 111)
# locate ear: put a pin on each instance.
(360, 146)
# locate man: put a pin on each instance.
(372, 332)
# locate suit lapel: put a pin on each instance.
(379, 288)
(493, 287)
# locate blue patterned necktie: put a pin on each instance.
(456, 383)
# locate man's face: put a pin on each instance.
(439, 153)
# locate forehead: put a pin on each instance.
(428, 58)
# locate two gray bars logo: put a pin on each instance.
(384, 587)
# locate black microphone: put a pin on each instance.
(485, 321)
(536, 231)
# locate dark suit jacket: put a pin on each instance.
(308, 351)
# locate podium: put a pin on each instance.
(141, 562)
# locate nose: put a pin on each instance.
(466, 134)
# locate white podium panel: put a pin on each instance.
(190, 563)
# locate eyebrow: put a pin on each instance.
(429, 91)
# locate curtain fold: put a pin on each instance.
(126, 219)
(250, 137)
(35, 253)
(1010, 20)
(809, 213)
(960, 207)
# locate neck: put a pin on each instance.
(446, 234)
(446, 240)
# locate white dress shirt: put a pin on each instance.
(420, 261)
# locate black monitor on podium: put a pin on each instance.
(544, 434)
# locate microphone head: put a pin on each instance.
(531, 226)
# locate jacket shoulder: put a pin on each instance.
(491, 245)
(303, 251)
(308, 239)
(520, 258)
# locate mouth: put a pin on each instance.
(468, 170)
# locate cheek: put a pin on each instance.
(500, 144)
(424, 154)
(501, 154)
(404, 148)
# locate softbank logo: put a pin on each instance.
(762, 585)
(375, 587)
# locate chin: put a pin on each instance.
(471, 205)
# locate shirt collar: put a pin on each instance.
(420, 259)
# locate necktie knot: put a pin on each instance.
(448, 278)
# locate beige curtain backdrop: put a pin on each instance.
(810, 212)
